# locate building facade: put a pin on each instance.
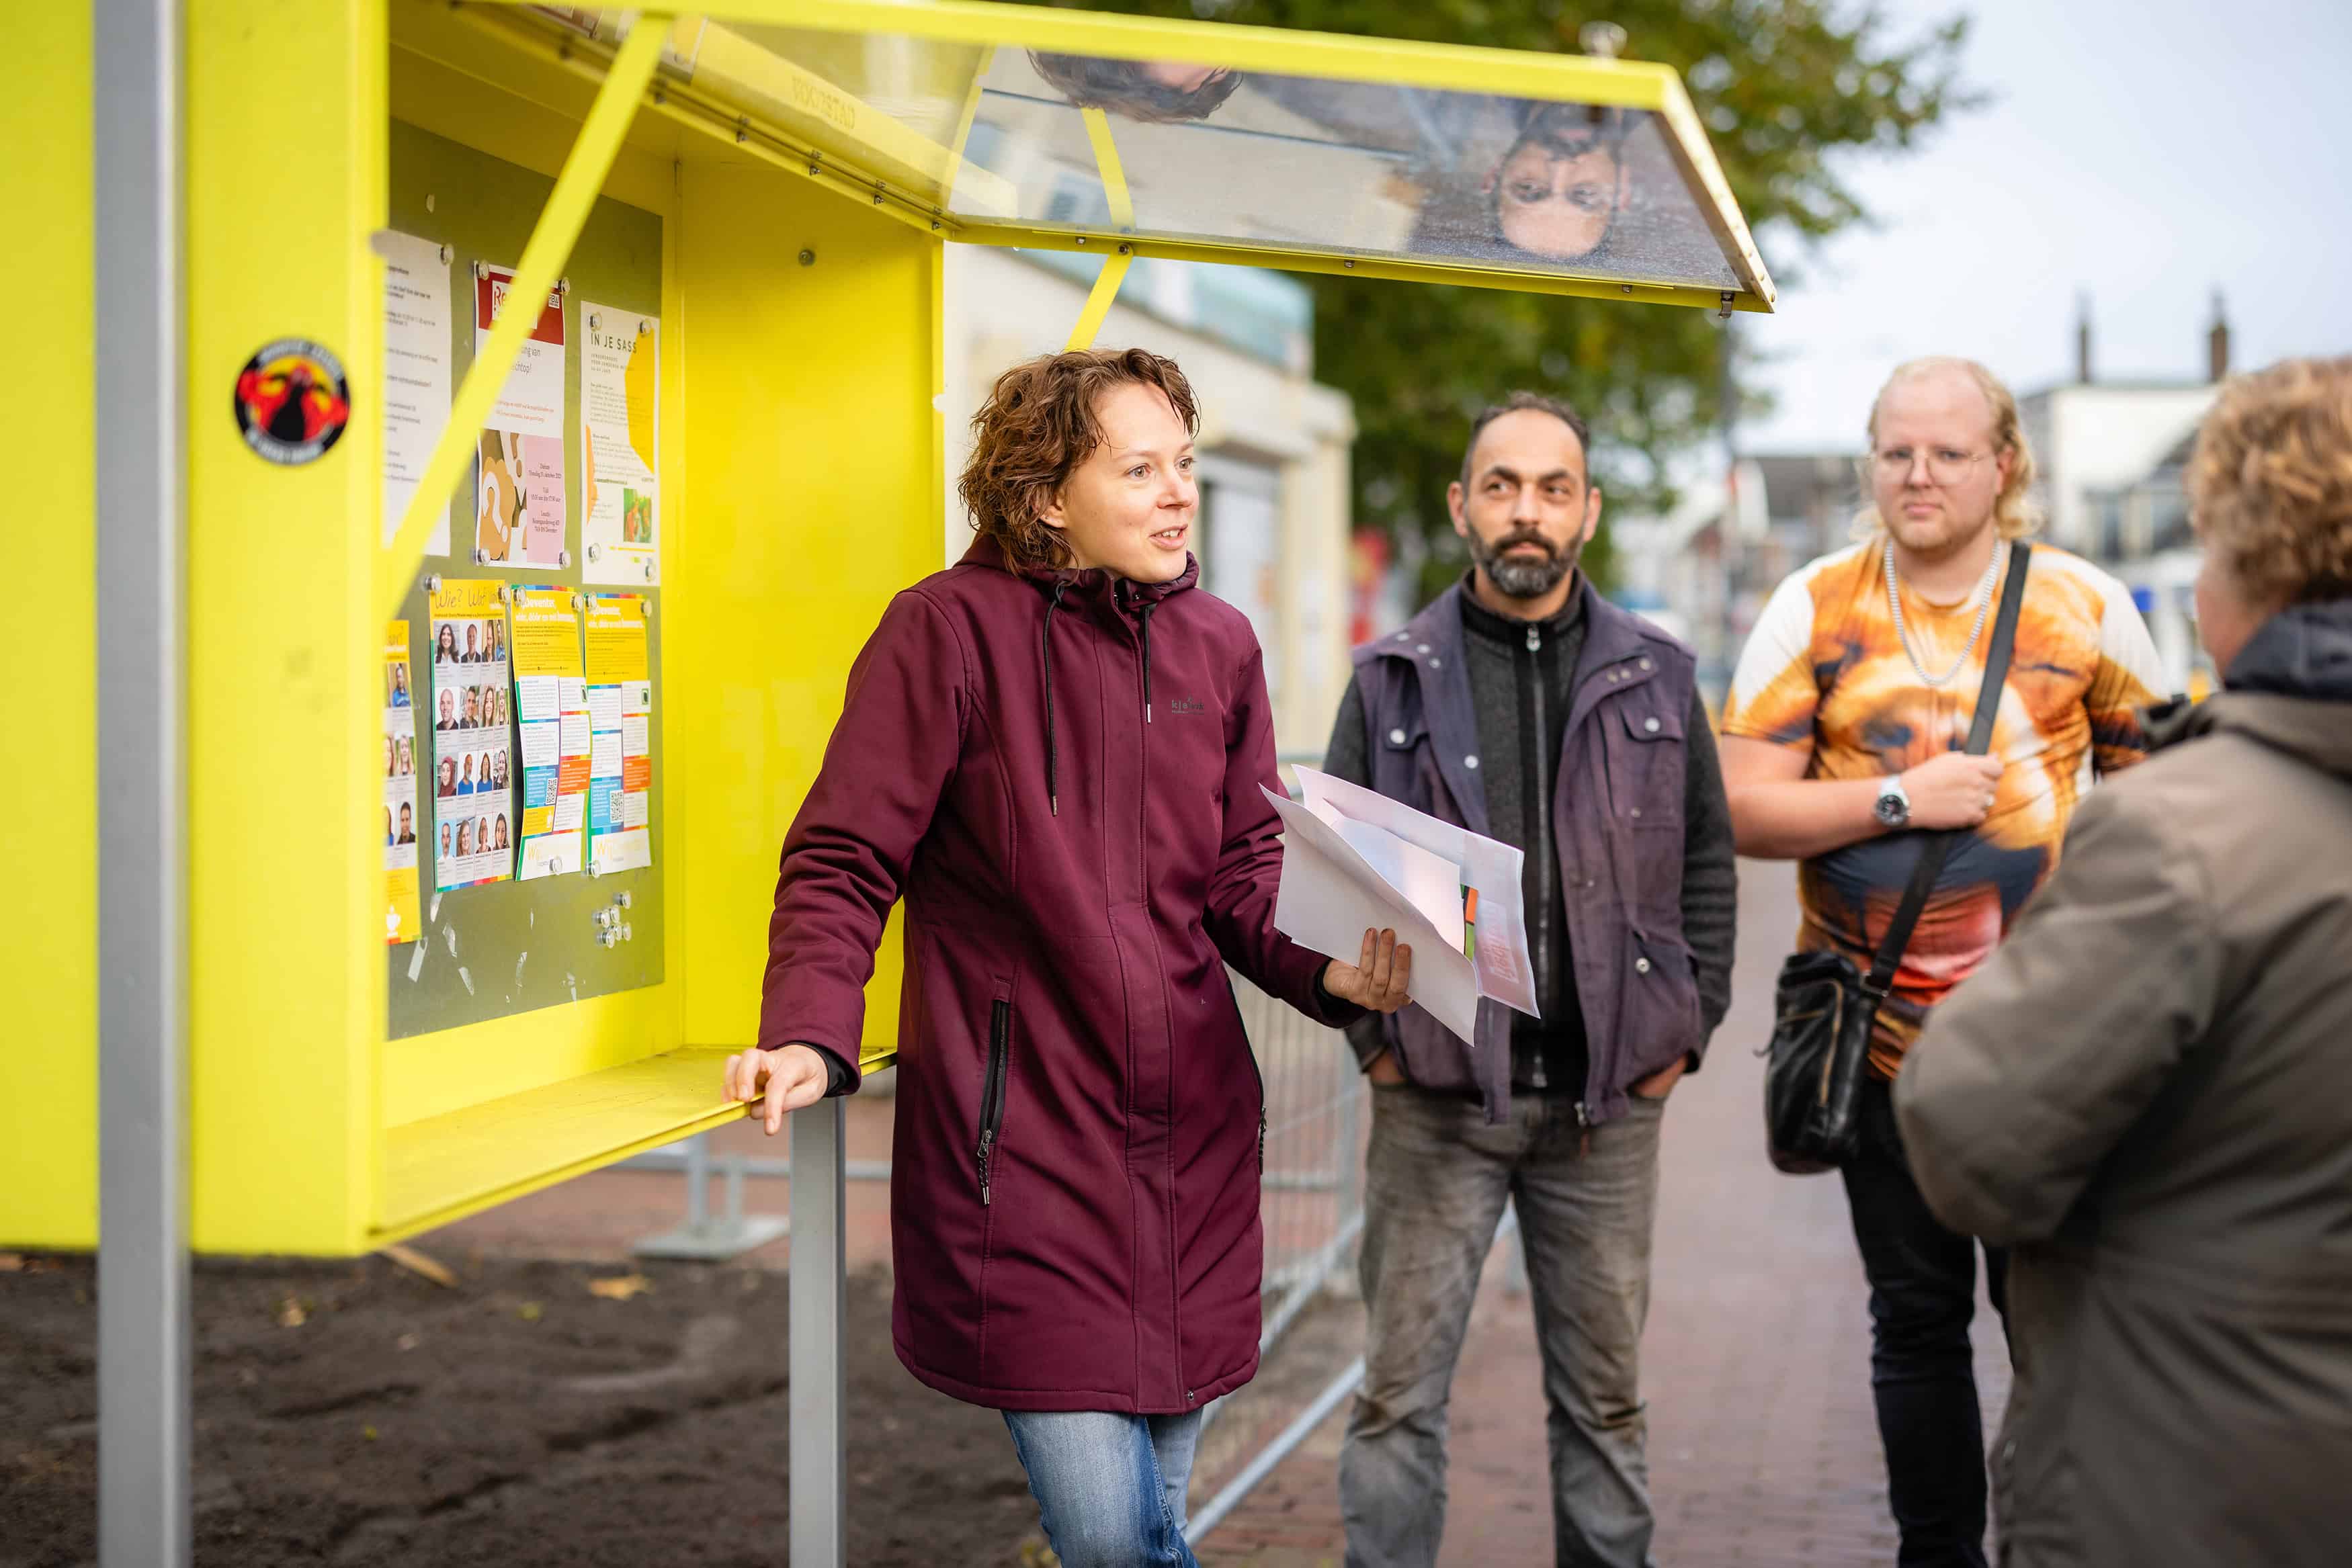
(1273, 536)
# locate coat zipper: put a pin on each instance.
(1259, 1073)
(1540, 809)
(992, 1093)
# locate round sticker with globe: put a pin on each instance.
(292, 402)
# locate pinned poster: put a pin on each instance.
(620, 741)
(473, 782)
(551, 705)
(401, 821)
(519, 478)
(418, 313)
(620, 496)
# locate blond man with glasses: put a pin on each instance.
(1842, 744)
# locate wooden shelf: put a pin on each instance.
(445, 1168)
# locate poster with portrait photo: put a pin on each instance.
(473, 772)
(403, 824)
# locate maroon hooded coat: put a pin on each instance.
(1059, 772)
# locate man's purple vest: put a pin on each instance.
(1617, 824)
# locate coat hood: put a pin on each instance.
(2290, 687)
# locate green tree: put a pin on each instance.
(1784, 86)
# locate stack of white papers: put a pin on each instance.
(1353, 860)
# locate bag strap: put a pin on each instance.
(1936, 847)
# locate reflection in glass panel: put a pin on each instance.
(1359, 167)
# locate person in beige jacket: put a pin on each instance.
(2147, 1092)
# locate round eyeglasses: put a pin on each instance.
(1946, 465)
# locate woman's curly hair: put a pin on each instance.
(1036, 426)
(2270, 487)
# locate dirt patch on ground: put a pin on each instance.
(355, 1413)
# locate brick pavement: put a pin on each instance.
(1763, 1448)
(1762, 1445)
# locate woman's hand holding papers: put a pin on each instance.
(1380, 978)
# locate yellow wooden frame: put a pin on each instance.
(1625, 83)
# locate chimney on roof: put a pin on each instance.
(2217, 343)
(2082, 337)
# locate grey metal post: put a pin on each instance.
(697, 1181)
(142, 1260)
(819, 1304)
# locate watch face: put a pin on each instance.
(1892, 810)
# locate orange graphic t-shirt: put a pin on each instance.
(1825, 671)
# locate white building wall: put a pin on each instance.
(2098, 438)
(1001, 308)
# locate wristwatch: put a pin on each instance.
(1893, 806)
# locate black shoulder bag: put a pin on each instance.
(1826, 1008)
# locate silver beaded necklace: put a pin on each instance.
(1895, 606)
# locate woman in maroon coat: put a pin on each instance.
(1054, 753)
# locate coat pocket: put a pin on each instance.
(1662, 1008)
(992, 1092)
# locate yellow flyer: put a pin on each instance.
(400, 818)
(473, 718)
(551, 713)
(620, 739)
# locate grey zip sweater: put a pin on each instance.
(1522, 677)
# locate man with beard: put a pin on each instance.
(1524, 705)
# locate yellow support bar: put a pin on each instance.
(542, 263)
(1122, 219)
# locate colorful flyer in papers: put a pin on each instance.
(620, 724)
(551, 705)
(418, 316)
(472, 778)
(401, 824)
(519, 478)
(620, 496)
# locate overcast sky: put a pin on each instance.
(2146, 151)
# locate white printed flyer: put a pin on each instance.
(418, 316)
(620, 429)
(1353, 860)
(519, 476)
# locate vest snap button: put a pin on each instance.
(1470, 762)
(1651, 725)
(1637, 811)
(1421, 647)
(1641, 966)
(1396, 737)
(1645, 663)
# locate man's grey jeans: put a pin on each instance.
(1435, 1181)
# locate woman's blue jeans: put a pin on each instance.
(1109, 1486)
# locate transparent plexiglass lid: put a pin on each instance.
(1189, 142)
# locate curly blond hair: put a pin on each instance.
(2270, 488)
(2015, 511)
